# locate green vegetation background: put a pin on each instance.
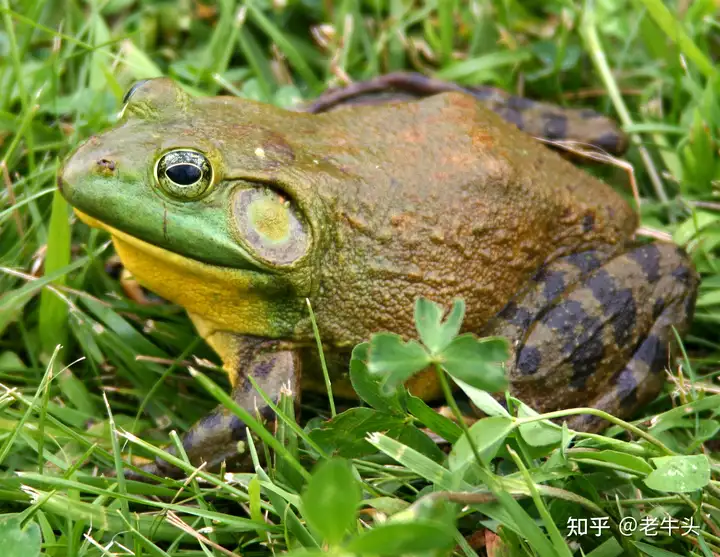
(64, 66)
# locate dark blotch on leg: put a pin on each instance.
(263, 368)
(648, 257)
(682, 274)
(565, 315)
(586, 357)
(211, 421)
(624, 316)
(188, 439)
(619, 305)
(585, 261)
(512, 116)
(572, 325)
(626, 387)
(603, 287)
(580, 337)
(518, 316)
(553, 281)
(520, 103)
(555, 126)
(482, 93)
(653, 352)
(529, 359)
(237, 428)
(588, 222)
(586, 422)
(610, 141)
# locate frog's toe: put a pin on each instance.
(606, 336)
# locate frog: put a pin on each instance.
(362, 202)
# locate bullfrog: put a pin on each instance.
(365, 200)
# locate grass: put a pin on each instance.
(119, 383)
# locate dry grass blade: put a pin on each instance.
(590, 152)
(175, 520)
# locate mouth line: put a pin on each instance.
(188, 264)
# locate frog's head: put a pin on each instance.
(191, 192)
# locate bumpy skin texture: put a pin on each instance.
(438, 197)
(539, 119)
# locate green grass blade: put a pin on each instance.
(53, 325)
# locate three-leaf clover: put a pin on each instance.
(477, 362)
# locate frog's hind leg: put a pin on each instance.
(221, 435)
(595, 331)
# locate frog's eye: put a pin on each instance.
(270, 225)
(184, 174)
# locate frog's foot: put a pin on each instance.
(221, 436)
(595, 331)
(539, 119)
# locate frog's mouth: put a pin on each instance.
(241, 300)
(161, 255)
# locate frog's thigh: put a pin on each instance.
(604, 339)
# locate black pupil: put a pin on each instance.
(184, 174)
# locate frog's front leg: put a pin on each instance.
(592, 330)
(218, 436)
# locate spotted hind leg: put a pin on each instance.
(594, 331)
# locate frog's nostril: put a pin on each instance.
(106, 164)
